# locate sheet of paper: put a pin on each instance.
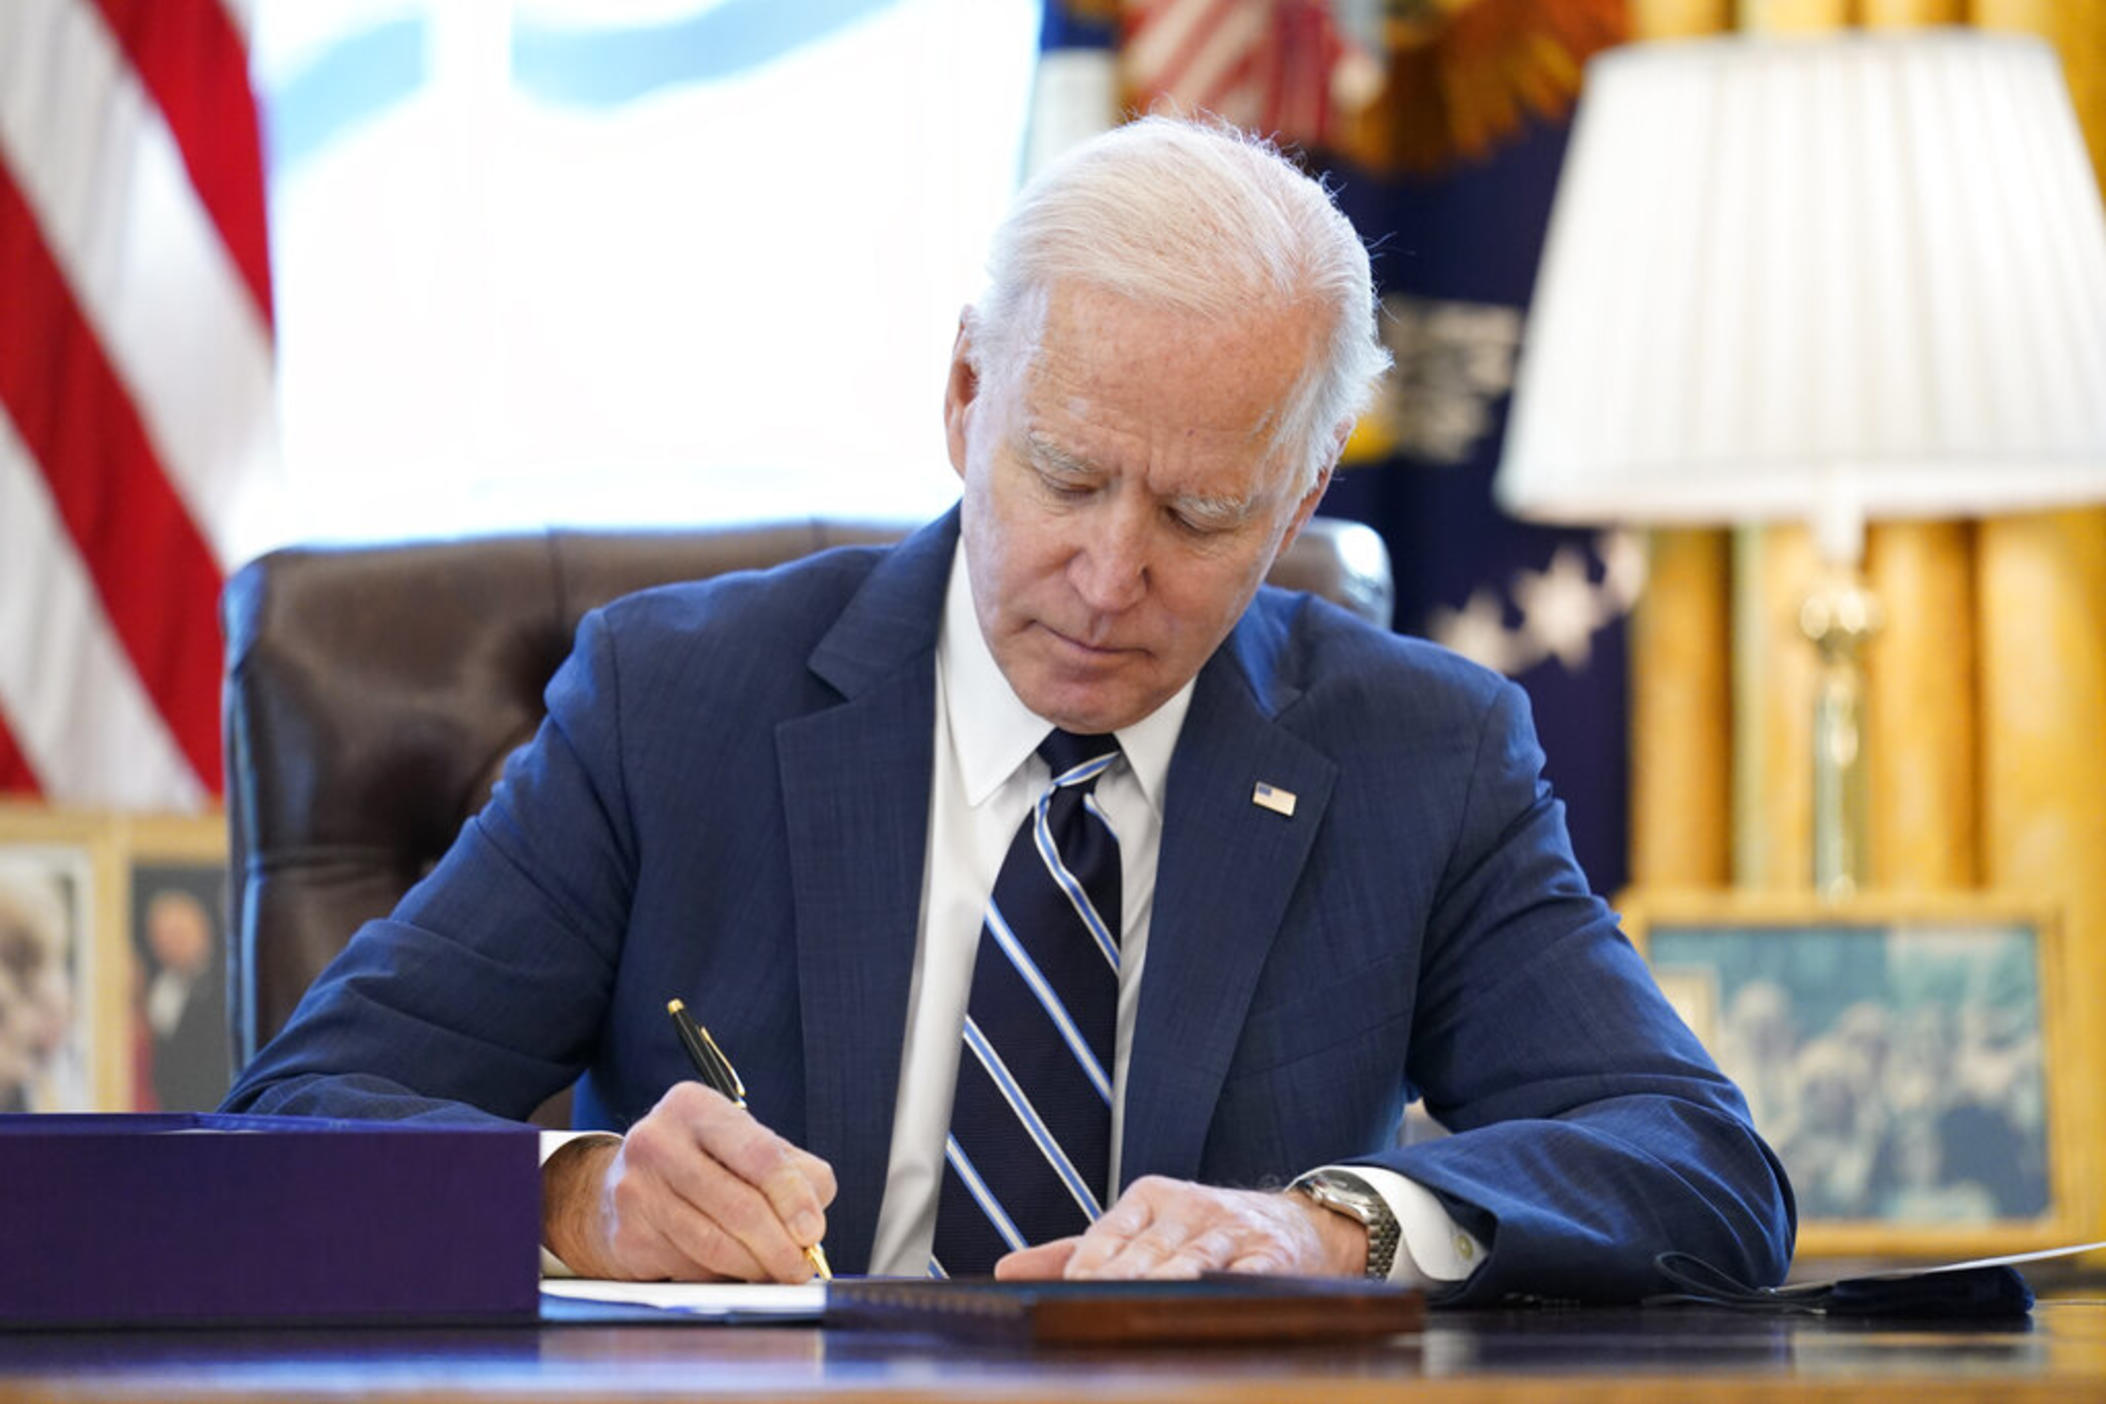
(723, 1301)
(2012, 1259)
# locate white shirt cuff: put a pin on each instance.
(1434, 1249)
(551, 1142)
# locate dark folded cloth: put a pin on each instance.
(1984, 1291)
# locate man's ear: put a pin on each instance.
(1306, 508)
(960, 389)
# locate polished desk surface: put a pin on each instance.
(1551, 1354)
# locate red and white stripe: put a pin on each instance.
(138, 440)
(1267, 65)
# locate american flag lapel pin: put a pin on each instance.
(1272, 797)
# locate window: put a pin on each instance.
(621, 263)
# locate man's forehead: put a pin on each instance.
(1164, 368)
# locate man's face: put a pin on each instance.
(1121, 506)
(179, 932)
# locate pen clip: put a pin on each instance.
(728, 1081)
(709, 1060)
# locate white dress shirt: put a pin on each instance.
(987, 776)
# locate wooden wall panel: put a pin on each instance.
(1679, 19)
(1681, 713)
(1921, 719)
(1793, 16)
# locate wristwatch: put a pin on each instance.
(1348, 1194)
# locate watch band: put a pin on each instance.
(1348, 1194)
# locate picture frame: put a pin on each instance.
(63, 980)
(1904, 1055)
(173, 883)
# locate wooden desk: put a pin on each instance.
(1584, 1356)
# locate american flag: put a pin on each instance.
(138, 448)
(1278, 67)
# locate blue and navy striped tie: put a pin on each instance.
(1029, 1154)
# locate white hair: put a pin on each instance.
(1208, 220)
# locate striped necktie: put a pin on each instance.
(1029, 1154)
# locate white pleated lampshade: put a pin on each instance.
(1824, 279)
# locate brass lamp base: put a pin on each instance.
(1840, 616)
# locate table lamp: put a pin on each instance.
(1817, 279)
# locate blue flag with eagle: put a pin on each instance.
(1449, 172)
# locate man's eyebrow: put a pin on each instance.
(1046, 454)
(1215, 511)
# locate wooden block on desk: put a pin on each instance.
(1220, 1308)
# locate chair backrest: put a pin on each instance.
(373, 694)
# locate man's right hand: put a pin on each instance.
(696, 1191)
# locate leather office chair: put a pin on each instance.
(373, 694)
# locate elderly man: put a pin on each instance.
(1069, 904)
(36, 990)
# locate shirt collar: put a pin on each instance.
(993, 732)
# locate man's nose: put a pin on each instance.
(1110, 571)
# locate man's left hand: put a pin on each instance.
(1172, 1228)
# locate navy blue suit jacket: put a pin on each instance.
(728, 802)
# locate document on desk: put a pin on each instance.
(1215, 1308)
(2038, 1255)
(1980, 1288)
(732, 1303)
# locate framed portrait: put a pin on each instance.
(62, 980)
(1902, 1055)
(174, 891)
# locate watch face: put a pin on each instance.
(1358, 1200)
(1351, 1195)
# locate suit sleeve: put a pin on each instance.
(482, 994)
(1592, 1131)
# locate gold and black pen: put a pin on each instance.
(715, 1069)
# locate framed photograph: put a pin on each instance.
(1902, 1055)
(174, 885)
(62, 980)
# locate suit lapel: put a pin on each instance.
(1227, 869)
(855, 780)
